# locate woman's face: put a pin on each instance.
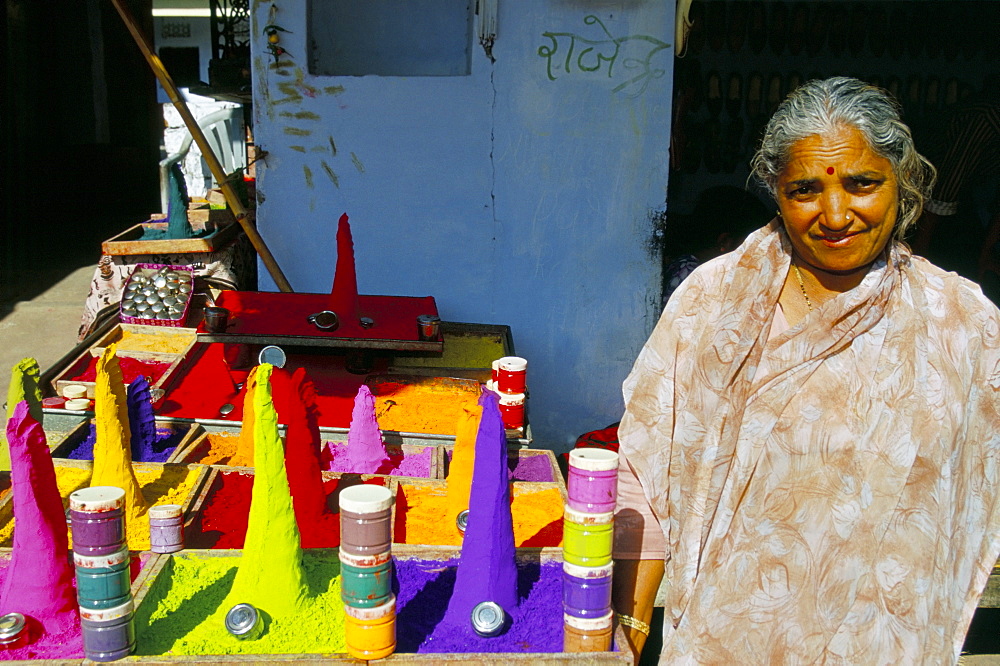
(838, 201)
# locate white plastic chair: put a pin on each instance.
(223, 130)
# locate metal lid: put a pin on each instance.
(488, 618)
(428, 319)
(106, 614)
(241, 619)
(577, 571)
(274, 355)
(97, 499)
(462, 521)
(226, 409)
(101, 561)
(584, 518)
(11, 625)
(326, 320)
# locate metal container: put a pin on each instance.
(13, 631)
(488, 619)
(428, 326)
(244, 622)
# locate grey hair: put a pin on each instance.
(818, 108)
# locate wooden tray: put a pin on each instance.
(220, 224)
(80, 362)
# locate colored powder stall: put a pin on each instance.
(221, 521)
(132, 368)
(537, 515)
(161, 484)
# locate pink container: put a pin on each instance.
(510, 374)
(512, 410)
(592, 483)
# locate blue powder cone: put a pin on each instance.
(487, 570)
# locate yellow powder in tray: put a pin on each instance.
(460, 351)
(433, 407)
(217, 448)
(149, 342)
(167, 485)
(423, 516)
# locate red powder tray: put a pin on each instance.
(281, 318)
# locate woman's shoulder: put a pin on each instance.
(952, 300)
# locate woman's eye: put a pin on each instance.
(865, 183)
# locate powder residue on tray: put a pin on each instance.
(396, 463)
(167, 439)
(425, 587)
(433, 405)
(536, 468)
(131, 368)
(179, 614)
(460, 351)
(165, 484)
(419, 509)
(216, 448)
(159, 343)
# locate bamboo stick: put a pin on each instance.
(206, 150)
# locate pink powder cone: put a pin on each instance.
(40, 582)
(365, 449)
(487, 570)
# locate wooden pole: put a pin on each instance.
(206, 150)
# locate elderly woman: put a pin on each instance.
(811, 442)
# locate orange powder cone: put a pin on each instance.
(244, 445)
(460, 471)
(270, 576)
(112, 447)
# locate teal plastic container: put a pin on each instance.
(365, 586)
(587, 538)
(103, 581)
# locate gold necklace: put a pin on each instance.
(802, 286)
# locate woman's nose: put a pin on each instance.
(836, 213)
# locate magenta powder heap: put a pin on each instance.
(402, 464)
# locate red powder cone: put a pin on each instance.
(297, 409)
(487, 570)
(40, 582)
(344, 297)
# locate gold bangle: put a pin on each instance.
(633, 623)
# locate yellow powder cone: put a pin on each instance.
(460, 471)
(244, 455)
(113, 444)
(270, 576)
(23, 386)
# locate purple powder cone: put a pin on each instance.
(487, 570)
(141, 420)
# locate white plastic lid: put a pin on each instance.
(577, 571)
(593, 459)
(106, 614)
(164, 511)
(72, 391)
(512, 364)
(100, 561)
(365, 498)
(77, 404)
(97, 498)
(584, 518)
(589, 623)
(373, 613)
(511, 398)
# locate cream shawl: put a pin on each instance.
(829, 495)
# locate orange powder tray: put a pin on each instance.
(282, 318)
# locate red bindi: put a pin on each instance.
(829, 170)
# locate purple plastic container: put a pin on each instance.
(97, 520)
(592, 484)
(586, 590)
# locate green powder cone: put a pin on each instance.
(270, 576)
(23, 386)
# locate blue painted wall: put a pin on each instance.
(520, 194)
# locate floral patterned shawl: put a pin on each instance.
(829, 495)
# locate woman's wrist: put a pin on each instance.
(633, 623)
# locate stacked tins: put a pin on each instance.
(366, 571)
(103, 583)
(588, 528)
(508, 380)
